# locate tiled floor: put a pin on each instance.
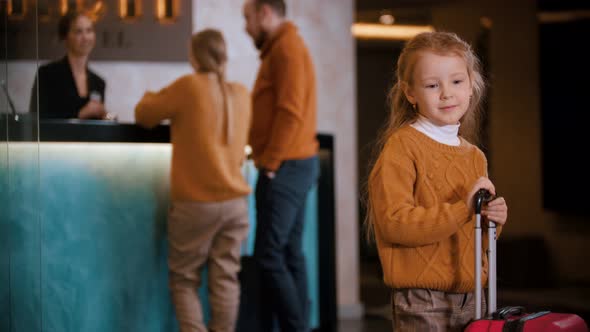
(365, 325)
(375, 297)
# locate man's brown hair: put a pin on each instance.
(278, 6)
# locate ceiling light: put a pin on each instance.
(387, 19)
(563, 16)
(388, 32)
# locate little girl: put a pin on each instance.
(422, 185)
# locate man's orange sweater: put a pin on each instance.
(284, 102)
(204, 167)
(424, 229)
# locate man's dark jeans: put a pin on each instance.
(280, 211)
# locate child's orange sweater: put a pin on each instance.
(423, 228)
(204, 167)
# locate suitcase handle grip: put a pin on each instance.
(508, 312)
(482, 196)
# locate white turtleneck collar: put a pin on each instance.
(448, 134)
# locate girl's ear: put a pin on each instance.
(408, 92)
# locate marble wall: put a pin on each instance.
(325, 25)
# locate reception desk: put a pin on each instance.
(83, 230)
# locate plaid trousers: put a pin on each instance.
(426, 310)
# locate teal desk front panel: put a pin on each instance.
(21, 239)
(4, 254)
(85, 235)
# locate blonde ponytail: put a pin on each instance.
(209, 51)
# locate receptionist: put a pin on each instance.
(67, 88)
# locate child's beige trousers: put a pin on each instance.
(209, 233)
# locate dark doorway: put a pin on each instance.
(376, 63)
(375, 73)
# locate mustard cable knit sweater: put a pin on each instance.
(204, 167)
(423, 228)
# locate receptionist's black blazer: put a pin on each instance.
(58, 95)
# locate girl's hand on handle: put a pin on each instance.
(496, 210)
(481, 183)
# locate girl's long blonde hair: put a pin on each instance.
(401, 110)
(209, 51)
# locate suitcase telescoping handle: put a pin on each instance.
(481, 197)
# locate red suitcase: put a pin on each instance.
(509, 319)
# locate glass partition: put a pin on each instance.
(83, 203)
(20, 222)
(4, 238)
